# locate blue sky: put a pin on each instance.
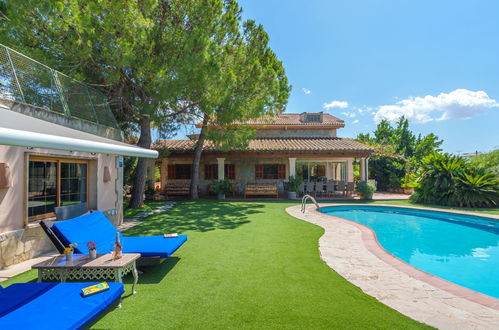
(434, 61)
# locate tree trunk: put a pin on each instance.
(139, 180)
(193, 191)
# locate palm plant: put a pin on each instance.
(449, 180)
(477, 189)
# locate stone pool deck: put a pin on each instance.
(352, 250)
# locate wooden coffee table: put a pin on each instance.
(83, 268)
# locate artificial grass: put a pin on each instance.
(246, 265)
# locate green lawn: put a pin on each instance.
(245, 265)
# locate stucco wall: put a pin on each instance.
(20, 240)
(296, 133)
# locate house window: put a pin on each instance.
(270, 171)
(211, 171)
(313, 118)
(179, 171)
(55, 182)
(230, 171)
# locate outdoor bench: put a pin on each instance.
(176, 189)
(261, 189)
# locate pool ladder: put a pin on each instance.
(304, 202)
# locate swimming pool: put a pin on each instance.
(462, 249)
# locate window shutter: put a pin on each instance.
(321, 170)
(281, 171)
(171, 172)
(207, 172)
(258, 172)
(230, 171)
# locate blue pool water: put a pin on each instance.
(462, 249)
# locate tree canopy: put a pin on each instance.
(398, 152)
(160, 62)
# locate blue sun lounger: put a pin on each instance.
(54, 305)
(97, 228)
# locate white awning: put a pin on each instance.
(24, 131)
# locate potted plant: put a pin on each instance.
(365, 189)
(149, 191)
(68, 252)
(92, 249)
(293, 186)
(409, 182)
(222, 187)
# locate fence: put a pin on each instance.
(25, 80)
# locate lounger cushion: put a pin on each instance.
(53, 305)
(89, 227)
(152, 246)
(97, 228)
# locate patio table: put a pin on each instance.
(84, 268)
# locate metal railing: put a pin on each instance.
(304, 202)
(24, 80)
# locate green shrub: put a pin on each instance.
(387, 171)
(293, 184)
(365, 189)
(222, 187)
(450, 180)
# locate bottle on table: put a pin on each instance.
(118, 248)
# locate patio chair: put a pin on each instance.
(54, 305)
(319, 188)
(310, 188)
(340, 187)
(350, 188)
(301, 189)
(97, 228)
(330, 188)
(70, 211)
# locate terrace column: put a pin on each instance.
(362, 169)
(337, 166)
(367, 169)
(350, 170)
(292, 166)
(328, 171)
(221, 168)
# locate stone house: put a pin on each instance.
(290, 144)
(59, 145)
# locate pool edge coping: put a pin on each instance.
(372, 244)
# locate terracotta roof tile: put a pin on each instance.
(295, 119)
(301, 145)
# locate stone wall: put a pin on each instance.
(20, 245)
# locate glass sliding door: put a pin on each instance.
(73, 183)
(311, 171)
(42, 187)
(54, 182)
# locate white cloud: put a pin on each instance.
(356, 121)
(349, 114)
(306, 91)
(336, 104)
(458, 104)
